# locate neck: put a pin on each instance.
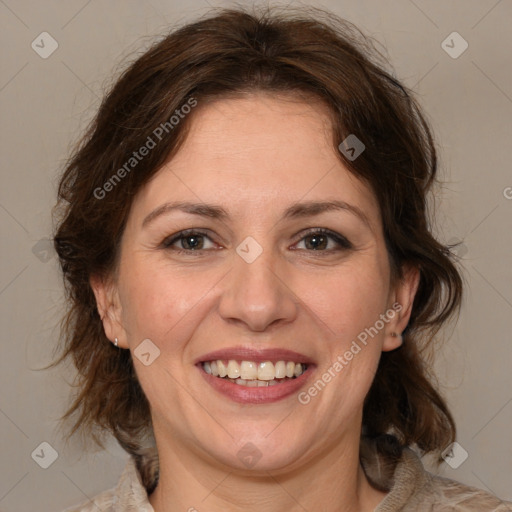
(332, 481)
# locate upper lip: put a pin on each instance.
(257, 355)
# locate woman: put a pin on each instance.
(252, 277)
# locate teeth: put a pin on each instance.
(280, 368)
(266, 371)
(250, 373)
(233, 370)
(255, 383)
(223, 371)
(248, 370)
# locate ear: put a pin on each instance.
(401, 301)
(109, 309)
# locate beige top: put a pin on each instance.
(410, 487)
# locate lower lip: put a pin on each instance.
(256, 395)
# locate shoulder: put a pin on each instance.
(411, 488)
(453, 495)
(103, 502)
(130, 494)
(428, 492)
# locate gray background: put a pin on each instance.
(46, 102)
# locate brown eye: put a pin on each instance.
(188, 241)
(192, 242)
(324, 240)
(316, 242)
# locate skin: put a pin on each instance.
(255, 156)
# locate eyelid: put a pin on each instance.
(342, 242)
(175, 237)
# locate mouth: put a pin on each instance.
(255, 376)
(253, 373)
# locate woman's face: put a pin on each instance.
(257, 178)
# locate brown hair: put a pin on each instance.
(308, 52)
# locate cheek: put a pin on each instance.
(346, 300)
(159, 302)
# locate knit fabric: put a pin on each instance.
(400, 473)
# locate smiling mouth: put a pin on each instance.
(254, 374)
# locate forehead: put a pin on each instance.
(260, 128)
(258, 152)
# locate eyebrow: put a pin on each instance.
(295, 211)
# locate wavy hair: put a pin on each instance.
(307, 53)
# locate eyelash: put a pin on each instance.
(342, 242)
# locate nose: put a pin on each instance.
(257, 294)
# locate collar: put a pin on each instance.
(389, 467)
(131, 495)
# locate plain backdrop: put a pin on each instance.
(46, 102)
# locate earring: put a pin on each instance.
(396, 335)
(115, 343)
